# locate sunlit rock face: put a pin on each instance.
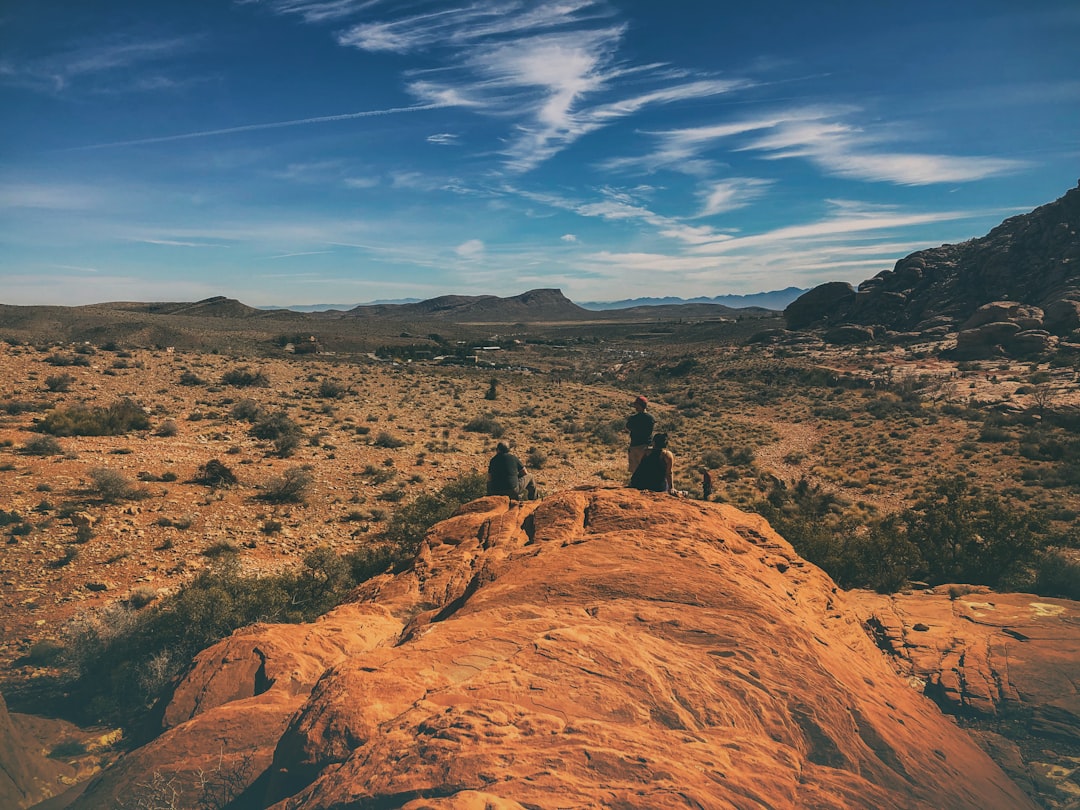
(601, 648)
(1031, 262)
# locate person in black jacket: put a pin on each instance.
(640, 427)
(508, 476)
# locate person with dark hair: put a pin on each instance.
(706, 484)
(508, 476)
(654, 473)
(640, 427)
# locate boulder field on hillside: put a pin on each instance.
(599, 648)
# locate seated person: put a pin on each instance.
(508, 476)
(654, 471)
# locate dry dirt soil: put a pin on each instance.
(377, 434)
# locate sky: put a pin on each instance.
(298, 152)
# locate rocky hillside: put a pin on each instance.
(600, 648)
(529, 306)
(1030, 261)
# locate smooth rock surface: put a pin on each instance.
(601, 648)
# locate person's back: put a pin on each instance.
(655, 470)
(504, 472)
(650, 474)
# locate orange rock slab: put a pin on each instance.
(601, 648)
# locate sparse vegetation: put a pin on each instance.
(244, 377)
(116, 419)
(292, 486)
(215, 474)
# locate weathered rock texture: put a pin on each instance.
(1001, 658)
(602, 648)
(1031, 263)
(26, 775)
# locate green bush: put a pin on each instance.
(410, 523)
(116, 419)
(121, 660)
(953, 534)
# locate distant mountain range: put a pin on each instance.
(775, 300)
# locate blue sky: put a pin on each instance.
(343, 151)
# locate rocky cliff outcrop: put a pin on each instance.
(601, 648)
(998, 660)
(1032, 260)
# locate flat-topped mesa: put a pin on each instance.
(599, 648)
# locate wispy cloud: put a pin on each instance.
(550, 67)
(206, 133)
(823, 136)
(728, 195)
(471, 249)
(468, 24)
(115, 60)
(443, 139)
(302, 253)
(315, 11)
(180, 243)
(58, 196)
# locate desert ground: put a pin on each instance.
(374, 434)
(95, 526)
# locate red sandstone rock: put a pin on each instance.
(602, 648)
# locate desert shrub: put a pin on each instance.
(168, 429)
(493, 390)
(964, 536)
(409, 524)
(215, 474)
(116, 419)
(122, 659)
(220, 549)
(292, 486)
(274, 426)
(113, 486)
(42, 446)
(243, 377)
(246, 410)
(190, 378)
(389, 440)
(14, 407)
(485, 423)
(1057, 573)
(66, 360)
(330, 389)
(536, 458)
(59, 383)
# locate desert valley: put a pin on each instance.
(247, 559)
